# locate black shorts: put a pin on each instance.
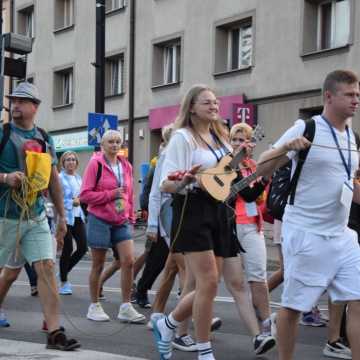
(207, 224)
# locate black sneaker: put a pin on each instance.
(184, 343)
(143, 301)
(263, 343)
(215, 324)
(337, 349)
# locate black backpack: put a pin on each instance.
(83, 205)
(145, 194)
(354, 217)
(282, 185)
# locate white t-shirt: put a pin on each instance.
(183, 152)
(118, 172)
(317, 206)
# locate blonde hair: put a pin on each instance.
(184, 120)
(166, 132)
(110, 134)
(242, 128)
(65, 155)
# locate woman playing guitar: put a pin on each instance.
(199, 227)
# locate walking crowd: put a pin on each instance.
(191, 233)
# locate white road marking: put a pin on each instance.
(21, 350)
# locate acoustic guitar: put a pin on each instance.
(241, 184)
(217, 181)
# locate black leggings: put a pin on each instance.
(69, 259)
(343, 333)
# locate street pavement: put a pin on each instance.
(116, 341)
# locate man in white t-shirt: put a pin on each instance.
(320, 251)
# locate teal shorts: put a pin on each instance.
(36, 242)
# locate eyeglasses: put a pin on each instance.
(208, 102)
(70, 159)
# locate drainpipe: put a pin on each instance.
(131, 80)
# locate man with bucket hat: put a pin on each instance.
(28, 238)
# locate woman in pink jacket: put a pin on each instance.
(107, 188)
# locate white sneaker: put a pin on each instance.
(273, 324)
(127, 313)
(154, 316)
(149, 325)
(97, 313)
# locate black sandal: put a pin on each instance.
(57, 340)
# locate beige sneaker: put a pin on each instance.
(97, 313)
(128, 314)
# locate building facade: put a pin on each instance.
(266, 61)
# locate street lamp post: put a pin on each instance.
(100, 57)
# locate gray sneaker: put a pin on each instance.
(337, 350)
(263, 343)
(184, 343)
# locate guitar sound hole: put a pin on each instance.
(218, 180)
(227, 168)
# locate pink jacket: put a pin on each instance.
(101, 199)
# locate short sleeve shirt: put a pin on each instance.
(317, 206)
(9, 163)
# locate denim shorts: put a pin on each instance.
(102, 235)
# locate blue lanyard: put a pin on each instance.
(217, 141)
(348, 165)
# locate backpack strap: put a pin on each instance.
(98, 173)
(309, 134)
(6, 135)
(44, 134)
(357, 140)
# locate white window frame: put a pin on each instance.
(116, 75)
(67, 88)
(333, 30)
(171, 61)
(242, 29)
(116, 4)
(68, 12)
(29, 22)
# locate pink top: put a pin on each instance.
(101, 199)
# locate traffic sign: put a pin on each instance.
(98, 124)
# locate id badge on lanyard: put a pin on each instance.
(347, 188)
(119, 202)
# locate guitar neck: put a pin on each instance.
(234, 163)
(242, 184)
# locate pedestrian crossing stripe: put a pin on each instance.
(21, 350)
